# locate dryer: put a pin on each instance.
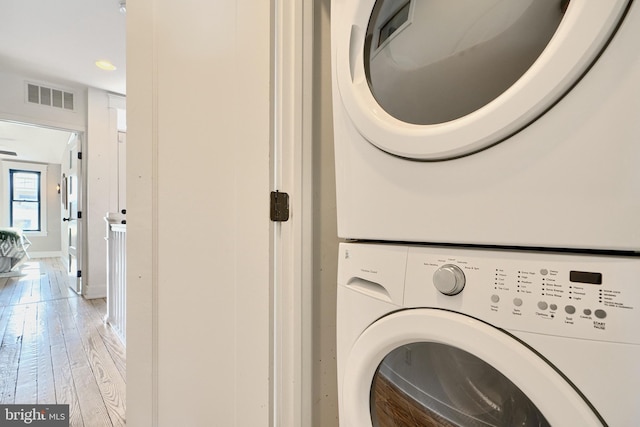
(445, 336)
(492, 122)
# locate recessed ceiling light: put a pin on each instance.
(103, 64)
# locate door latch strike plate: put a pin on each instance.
(279, 206)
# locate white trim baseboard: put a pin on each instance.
(94, 292)
(45, 254)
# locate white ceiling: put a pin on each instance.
(60, 39)
(64, 39)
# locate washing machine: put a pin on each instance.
(488, 122)
(446, 336)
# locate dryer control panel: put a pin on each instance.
(579, 296)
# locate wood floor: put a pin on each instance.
(55, 347)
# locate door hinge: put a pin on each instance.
(79, 273)
(79, 214)
(79, 155)
(279, 206)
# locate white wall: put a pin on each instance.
(51, 244)
(198, 272)
(47, 243)
(100, 158)
(13, 105)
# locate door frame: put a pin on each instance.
(292, 258)
(290, 254)
(81, 133)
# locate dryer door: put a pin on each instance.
(427, 367)
(439, 79)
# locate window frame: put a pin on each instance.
(7, 167)
(12, 198)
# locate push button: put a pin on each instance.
(600, 314)
(517, 302)
(570, 309)
(543, 305)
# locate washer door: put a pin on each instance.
(427, 367)
(439, 79)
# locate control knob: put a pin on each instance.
(449, 279)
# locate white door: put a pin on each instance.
(72, 199)
(438, 368)
(197, 205)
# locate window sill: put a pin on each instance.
(35, 233)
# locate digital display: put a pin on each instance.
(585, 277)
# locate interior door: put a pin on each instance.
(72, 230)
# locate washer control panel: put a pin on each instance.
(580, 296)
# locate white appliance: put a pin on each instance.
(488, 122)
(491, 337)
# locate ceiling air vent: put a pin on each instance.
(50, 97)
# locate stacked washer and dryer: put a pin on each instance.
(488, 190)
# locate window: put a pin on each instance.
(25, 191)
(25, 196)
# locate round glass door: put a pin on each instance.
(432, 384)
(441, 79)
(428, 367)
(430, 62)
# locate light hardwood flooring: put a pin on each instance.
(55, 347)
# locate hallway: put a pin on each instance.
(55, 347)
